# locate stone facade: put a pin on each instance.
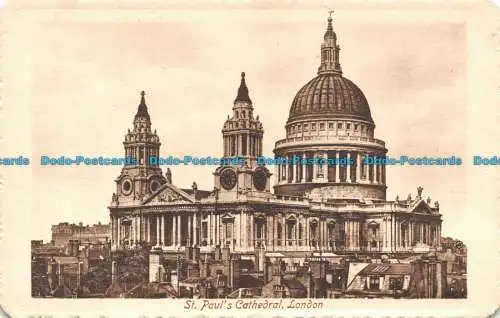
(64, 232)
(340, 208)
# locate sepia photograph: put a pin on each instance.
(296, 227)
(262, 158)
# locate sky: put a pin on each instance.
(86, 78)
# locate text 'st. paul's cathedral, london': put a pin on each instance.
(311, 209)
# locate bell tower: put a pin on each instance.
(242, 135)
(143, 176)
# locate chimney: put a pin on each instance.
(267, 271)
(196, 253)
(226, 254)
(53, 274)
(277, 275)
(309, 282)
(261, 259)
(174, 280)
(235, 272)
(154, 263)
(114, 269)
(188, 253)
(217, 253)
(61, 274)
(79, 275)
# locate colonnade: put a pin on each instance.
(141, 153)
(245, 231)
(156, 229)
(242, 144)
(294, 171)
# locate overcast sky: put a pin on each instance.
(86, 79)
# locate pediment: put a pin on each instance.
(227, 216)
(421, 207)
(169, 193)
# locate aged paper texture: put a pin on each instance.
(259, 158)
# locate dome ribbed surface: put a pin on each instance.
(330, 95)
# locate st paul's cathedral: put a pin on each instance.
(312, 208)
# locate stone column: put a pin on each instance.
(239, 145)
(157, 230)
(133, 230)
(306, 232)
(209, 228)
(118, 231)
(179, 230)
(216, 229)
(410, 234)
(162, 236)
(148, 229)
(269, 234)
(325, 235)
(315, 167)
(252, 225)
(297, 169)
(319, 242)
(113, 230)
(284, 232)
(277, 169)
(195, 229)
(142, 229)
(189, 231)
(293, 169)
(347, 235)
(337, 166)
(354, 235)
(285, 171)
(244, 230)
(325, 166)
(349, 166)
(174, 230)
(358, 167)
(136, 229)
(382, 178)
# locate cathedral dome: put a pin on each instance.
(330, 95)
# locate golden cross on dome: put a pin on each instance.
(330, 12)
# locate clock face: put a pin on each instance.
(259, 179)
(127, 187)
(154, 185)
(228, 179)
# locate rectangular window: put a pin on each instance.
(306, 126)
(204, 230)
(395, 283)
(374, 283)
(330, 125)
(355, 127)
(313, 126)
(322, 126)
(339, 125)
(229, 230)
(348, 126)
(298, 128)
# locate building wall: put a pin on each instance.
(62, 233)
